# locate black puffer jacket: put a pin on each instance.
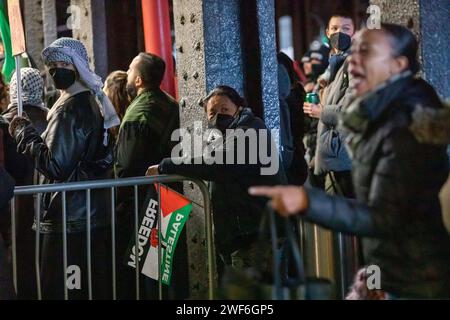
(237, 215)
(66, 152)
(398, 138)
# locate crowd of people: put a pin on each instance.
(372, 151)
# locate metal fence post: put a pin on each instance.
(88, 240)
(136, 248)
(113, 240)
(37, 246)
(64, 217)
(13, 240)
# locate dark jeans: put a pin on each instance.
(52, 271)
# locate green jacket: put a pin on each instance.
(144, 135)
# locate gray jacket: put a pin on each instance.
(331, 154)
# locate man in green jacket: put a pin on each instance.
(144, 135)
(144, 139)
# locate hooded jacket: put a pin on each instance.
(398, 137)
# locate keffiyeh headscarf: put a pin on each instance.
(72, 51)
(32, 88)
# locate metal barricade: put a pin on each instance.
(111, 184)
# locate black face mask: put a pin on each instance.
(221, 121)
(340, 41)
(131, 91)
(62, 77)
(317, 70)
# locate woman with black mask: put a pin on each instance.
(398, 135)
(236, 215)
(70, 150)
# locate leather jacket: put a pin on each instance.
(66, 152)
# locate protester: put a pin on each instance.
(399, 133)
(23, 171)
(331, 157)
(116, 90)
(73, 148)
(236, 215)
(144, 138)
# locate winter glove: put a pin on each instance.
(18, 122)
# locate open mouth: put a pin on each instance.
(358, 78)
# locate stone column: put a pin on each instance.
(427, 19)
(435, 32)
(34, 34)
(89, 26)
(269, 66)
(208, 54)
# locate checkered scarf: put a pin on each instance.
(32, 87)
(74, 52)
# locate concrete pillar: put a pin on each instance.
(34, 33)
(49, 23)
(435, 19)
(426, 19)
(89, 26)
(208, 54)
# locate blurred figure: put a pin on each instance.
(292, 121)
(331, 157)
(315, 62)
(22, 168)
(398, 133)
(116, 90)
(332, 164)
(74, 147)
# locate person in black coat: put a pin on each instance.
(73, 148)
(236, 215)
(398, 135)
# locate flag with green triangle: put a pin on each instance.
(175, 210)
(9, 64)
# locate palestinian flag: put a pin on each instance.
(9, 64)
(175, 210)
